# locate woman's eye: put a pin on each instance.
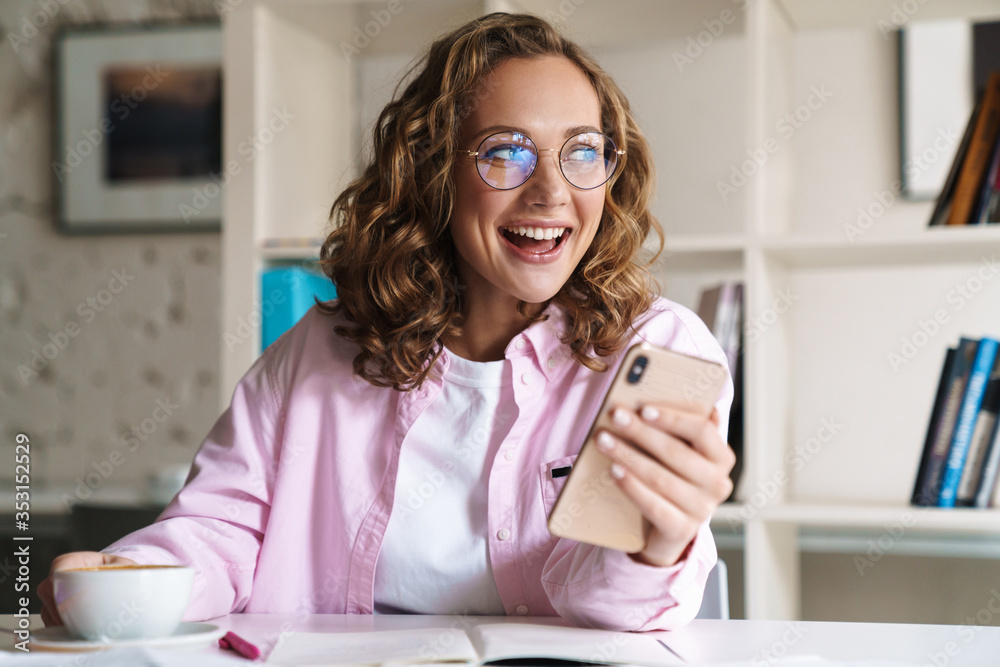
(581, 154)
(510, 152)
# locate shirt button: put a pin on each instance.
(509, 455)
(552, 362)
(526, 378)
(522, 609)
(519, 343)
(503, 534)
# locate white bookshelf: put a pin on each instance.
(782, 232)
(289, 253)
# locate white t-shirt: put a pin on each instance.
(434, 557)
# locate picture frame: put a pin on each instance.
(138, 129)
(943, 67)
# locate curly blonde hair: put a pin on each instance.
(390, 252)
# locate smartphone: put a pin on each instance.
(591, 508)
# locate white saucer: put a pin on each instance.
(57, 639)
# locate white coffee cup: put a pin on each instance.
(122, 602)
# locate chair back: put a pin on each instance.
(715, 604)
(95, 526)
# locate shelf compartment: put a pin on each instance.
(888, 518)
(866, 544)
(820, 14)
(709, 252)
(289, 253)
(729, 515)
(863, 361)
(935, 245)
(900, 530)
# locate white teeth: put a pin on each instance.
(537, 233)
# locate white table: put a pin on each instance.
(755, 642)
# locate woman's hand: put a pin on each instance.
(72, 561)
(675, 468)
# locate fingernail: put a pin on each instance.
(621, 417)
(650, 414)
(605, 442)
(617, 471)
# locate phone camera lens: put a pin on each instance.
(635, 373)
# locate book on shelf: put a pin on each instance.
(972, 174)
(940, 430)
(476, 645)
(974, 458)
(291, 242)
(972, 399)
(935, 449)
(985, 440)
(721, 309)
(942, 207)
(988, 209)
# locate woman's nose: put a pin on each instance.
(547, 186)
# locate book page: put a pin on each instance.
(422, 646)
(505, 641)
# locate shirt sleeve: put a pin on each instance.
(598, 587)
(603, 588)
(216, 523)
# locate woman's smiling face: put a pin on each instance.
(549, 99)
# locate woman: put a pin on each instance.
(394, 451)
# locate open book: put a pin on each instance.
(481, 644)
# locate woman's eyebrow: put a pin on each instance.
(580, 129)
(571, 132)
(486, 131)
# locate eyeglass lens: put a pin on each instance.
(505, 160)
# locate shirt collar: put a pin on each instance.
(543, 341)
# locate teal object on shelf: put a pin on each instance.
(287, 293)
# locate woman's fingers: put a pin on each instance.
(678, 456)
(673, 528)
(72, 561)
(674, 466)
(701, 433)
(649, 432)
(49, 615)
(670, 487)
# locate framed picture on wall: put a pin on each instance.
(943, 67)
(138, 140)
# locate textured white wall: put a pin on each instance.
(154, 343)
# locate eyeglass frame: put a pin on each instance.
(475, 154)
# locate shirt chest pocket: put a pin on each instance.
(552, 477)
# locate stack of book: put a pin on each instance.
(971, 193)
(721, 308)
(961, 453)
(287, 293)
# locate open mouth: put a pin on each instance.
(536, 240)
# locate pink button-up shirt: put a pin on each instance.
(291, 492)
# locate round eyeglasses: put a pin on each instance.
(506, 160)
